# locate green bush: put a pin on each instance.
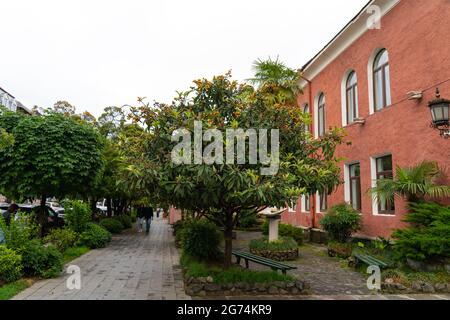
(339, 249)
(19, 232)
(125, 220)
(133, 215)
(77, 215)
(247, 220)
(112, 225)
(95, 236)
(340, 222)
(62, 239)
(283, 244)
(201, 240)
(285, 230)
(10, 265)
(39, 260)
(428, 236)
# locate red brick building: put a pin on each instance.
(362, 80)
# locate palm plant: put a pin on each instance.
(413, 183)
(275, 76)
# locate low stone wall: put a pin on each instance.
(206, 287)
(286, 255)
(389, 286)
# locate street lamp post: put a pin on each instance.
(439, 109)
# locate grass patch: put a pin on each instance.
(11, 289)
(283, 244)
(198, 269)
(73, 253)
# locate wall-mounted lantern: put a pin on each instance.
(439, 108)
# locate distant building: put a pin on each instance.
(10, 102)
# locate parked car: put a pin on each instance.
(59, 209)
(53, 219)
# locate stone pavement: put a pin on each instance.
(134, 266)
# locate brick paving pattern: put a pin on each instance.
(134, 266)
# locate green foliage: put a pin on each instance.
(73, 253)
(340, 222)
(10, 265)
(95, 236)
(414, 183)
(247, 219)
(19, 232)
(339, 249)
(125, 220)
(77, 215)
(197, 269)
(42, 261)
(285, 230)
(133, 216)
(283, 244)
(428, 236)
(112, 225)
(62, 239)
(10, 290)
(201, 240)
(51, 155)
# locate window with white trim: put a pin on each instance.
(351, 98)
(381, 81)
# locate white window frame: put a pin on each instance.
(344, 97)
(318, 209)
(316, 114)
(373, 175)
(303, 204)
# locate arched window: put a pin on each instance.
(306, 110)
(381, 81)
(351, 90)
(321, 115)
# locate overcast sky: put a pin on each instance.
(96, 53)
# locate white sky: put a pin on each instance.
(98, 53)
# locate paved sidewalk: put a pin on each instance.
(134, 266)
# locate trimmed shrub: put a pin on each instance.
(112, 225)
(340, 222)
(201, 240)
(19, 232)
(62, 239)
(427, 238)
(125, 220)
(285, 230)
(10, 265)
(41, 261)
(340, 250)
(285, 243)
(77, 215)
(95, 236)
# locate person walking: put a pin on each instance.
(140, 218)
(10, 213)
(148, 216)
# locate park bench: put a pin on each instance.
(369, 260)
(274, 265)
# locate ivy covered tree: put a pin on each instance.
(50, 155)
(221, 191)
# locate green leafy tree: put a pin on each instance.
(52, 155)
(221, 192)
(64, 108)
(413, 183)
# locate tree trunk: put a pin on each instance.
(228, 233)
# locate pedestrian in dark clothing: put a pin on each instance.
(140, 218)
(10, 213)
(148, 216)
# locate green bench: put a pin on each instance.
(369, 260)
(274, 265)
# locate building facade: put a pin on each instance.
(375, 79)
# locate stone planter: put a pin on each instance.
(389, 286)
(285, 255)
(427, 266)
(206, 287)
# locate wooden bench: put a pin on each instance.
(274, 265)
(369, 260)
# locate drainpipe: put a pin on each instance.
(312, 198)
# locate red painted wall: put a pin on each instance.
(417, 37)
